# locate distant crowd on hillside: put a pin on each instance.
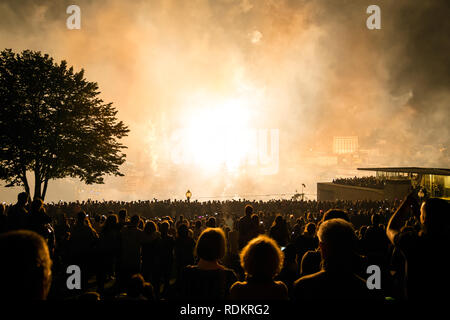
(367, 182)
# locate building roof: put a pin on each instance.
(435, 171)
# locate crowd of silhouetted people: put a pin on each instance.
(196, 209)
(224, 250)
(366, 182)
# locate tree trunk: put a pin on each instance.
(25, 182)
(37, 183)
(44, 191)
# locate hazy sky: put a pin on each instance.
(196, 81)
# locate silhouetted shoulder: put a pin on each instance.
(307, 279)
(194, 269)
(275, 290)
(331, 286)
(281, 288)
(198, 284)
(235, 290)
(237, 285)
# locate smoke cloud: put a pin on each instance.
(310, 69)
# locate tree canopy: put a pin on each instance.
(53, 123)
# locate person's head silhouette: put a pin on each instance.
(310, 229)
(278, 220)
(25, 270)
(335, 214)
(164, 228)
(211, 223)
(337, 242)
(37, 205)
(81, 217)
(134, 221)
(248, 210)
(211, 245)
(183, 231)
(150, 227)
(261, 258)
(22, 198)
(111, 221)
(136, 285)
(435, 216)
(123, 215)
(375, 219)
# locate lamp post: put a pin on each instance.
(303, 194)
(188, 195)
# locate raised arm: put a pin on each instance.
(398, 218)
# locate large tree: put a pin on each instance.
(53, 123)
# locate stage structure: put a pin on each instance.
(392, 183)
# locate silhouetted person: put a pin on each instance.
(123, 219)
(150, 253)
(166, 246)
(261, 260)
(138, 289)
(289, 273)
(141, 224)
(232, 259)
(198, 228)
(279, 231)
(62, 228)
(211, 223)
(336, 280)
(40, 222)
(184, 249)
(83, 241)
(311, 261)
(307, 243)
(62, 241)
(25, 268)
(375, 245)
(107, 250)
(245, 227)
(131, 240)
(257, 228)
(426, 252)
(208, 280)
(18, 214)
